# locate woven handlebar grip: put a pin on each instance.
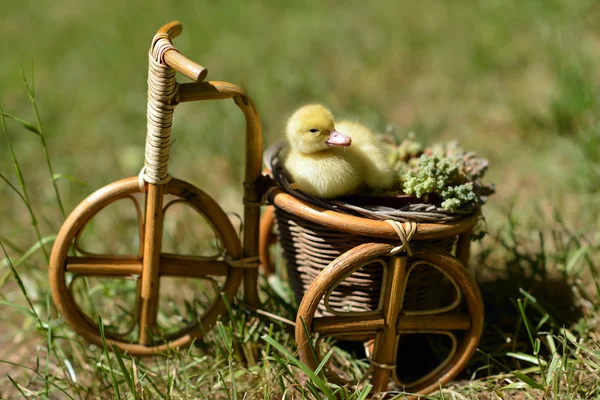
(162, 88)
(164, 60)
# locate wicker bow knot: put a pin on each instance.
(405, 233)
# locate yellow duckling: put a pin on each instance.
(330, 160)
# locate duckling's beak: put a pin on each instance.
(338, 139)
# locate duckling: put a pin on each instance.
(328, 163)
(377, 171)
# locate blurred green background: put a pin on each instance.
(516, 81)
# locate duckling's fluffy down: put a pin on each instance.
(326, 174)
(323, 171)
(369, 155)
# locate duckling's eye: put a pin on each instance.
(313, 130)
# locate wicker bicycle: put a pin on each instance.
(351, 278)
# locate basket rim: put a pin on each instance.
(399, 207)
(365, 226)
(353, 219)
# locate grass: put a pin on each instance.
(515, 81)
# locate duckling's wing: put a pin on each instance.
(369, 152)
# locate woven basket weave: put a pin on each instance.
(308, 248)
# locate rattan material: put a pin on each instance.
(162, 88)
(152, 264)
(308, 248)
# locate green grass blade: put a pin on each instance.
(225, 337)
(27, 125)
(534, 341)
(232, 378)
(15, 384)
(113, 376)
(21, 285)
(516, 385)
(35, 370)
(321, 384)
(49, 347)
(310, 343)
(13, 187)
(69, 178)
(323, 362)
(126, 373)
(526, 357)
(555, 364)
(364, 392)
(531, 382)
(36, 246)
(21, 180)
(224, 384)
(574, 259)
(20, 308)
(42, 137)
(536, 304)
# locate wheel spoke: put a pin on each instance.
(191, 267)
(385, 341)
(406, 323)
(434, 323)
(170, 265)
(349, 324)
(99, 266)
(150, 280)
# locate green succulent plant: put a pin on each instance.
(445, 170)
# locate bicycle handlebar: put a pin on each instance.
(178, 61)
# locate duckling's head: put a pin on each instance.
(311, 129)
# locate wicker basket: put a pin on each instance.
(308, 248)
